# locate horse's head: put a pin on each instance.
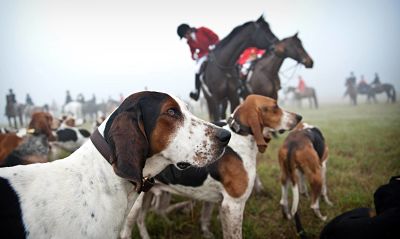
(293, 48)
(263, 36)
(290, 89)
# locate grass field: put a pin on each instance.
(364, 153)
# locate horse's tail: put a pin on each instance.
(315, 99)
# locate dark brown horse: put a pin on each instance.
(264, 79)
(372, 91)
(308, 93)
(220, 80)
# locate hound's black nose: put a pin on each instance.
(223, 136)
(299, 117)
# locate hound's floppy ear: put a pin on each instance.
(129, 145)
(255, 123)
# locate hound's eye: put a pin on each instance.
(172, 112)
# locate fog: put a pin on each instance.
(118, 47)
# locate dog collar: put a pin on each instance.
(239, 128)
(102, 146)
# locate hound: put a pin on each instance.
(33, 147)
(228, 181)
(86, 194)
(304, 153)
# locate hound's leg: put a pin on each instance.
(206, 214)
(130, 219)
(284, 198)
(324, 187)
(141, 219)
(316, 187)
(302, 184)
(295, 194)
(258, 186)
(231, 215)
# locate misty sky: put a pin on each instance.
(113, 47)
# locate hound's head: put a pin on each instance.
(263, 115)
(41, 123)
(152, 123)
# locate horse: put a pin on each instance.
(308, 93)
(220, 78)
(73, 109)
(90, 108)
(351, 90)
(382, 88)
(14, 110)
(264, 79)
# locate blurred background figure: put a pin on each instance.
(68, 97)
(28, 100)
(301, 85)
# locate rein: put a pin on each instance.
(289, 78)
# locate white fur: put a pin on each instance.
(81, 196)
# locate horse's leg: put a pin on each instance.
(234, 101)
(9, 121)
(315, 100)
(222, 109)
(15, 122)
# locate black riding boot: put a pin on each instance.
(196, 94)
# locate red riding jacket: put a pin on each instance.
(204, 38)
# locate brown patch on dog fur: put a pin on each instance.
(233, 174)
(8, 142)
(166, 126)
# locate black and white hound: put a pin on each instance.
(228, 181)
(86, 195)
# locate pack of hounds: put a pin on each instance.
(145, 140)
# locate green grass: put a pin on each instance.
(364, 153)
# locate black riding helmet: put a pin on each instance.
(182, 29)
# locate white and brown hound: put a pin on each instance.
(304, 154)
(228, 181)
(86, 194)
(33, 147)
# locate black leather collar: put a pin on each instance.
(239, 128)
(102, 146)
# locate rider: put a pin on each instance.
(362, 85)
(301, 86)
(200, 41)
(68, 98)
(28, 100)
(376, 83)
(248, 56)
(10, 103)
(352, 79)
